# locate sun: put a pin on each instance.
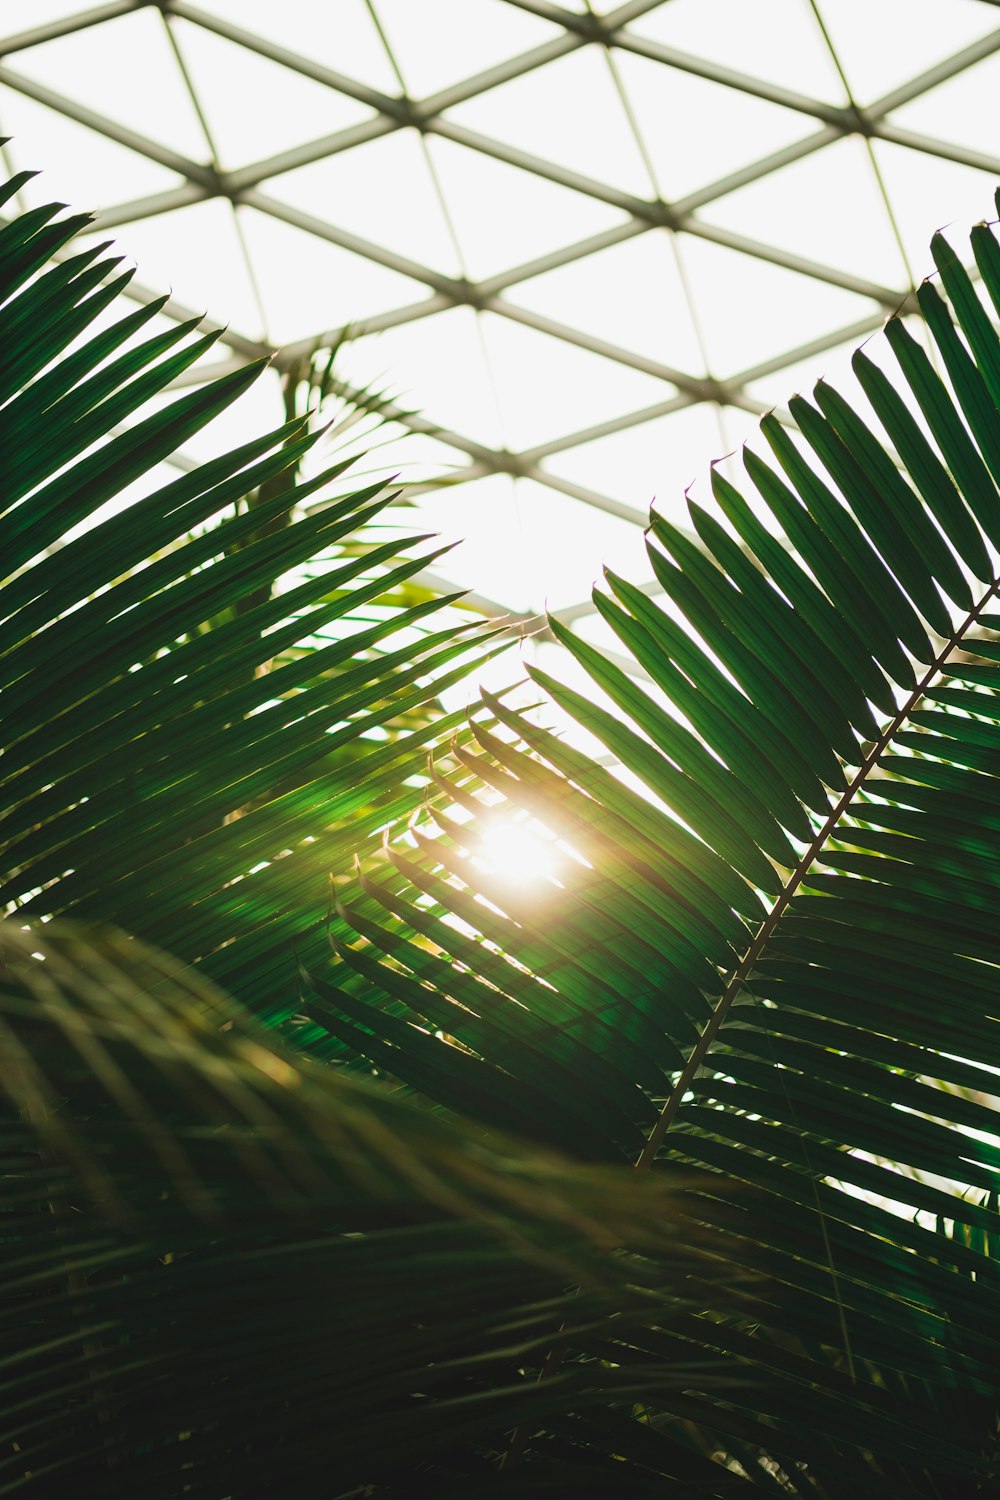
(514, 852)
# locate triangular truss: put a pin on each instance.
(588, 247)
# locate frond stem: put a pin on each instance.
(744, 968)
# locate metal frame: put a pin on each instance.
(611, 34)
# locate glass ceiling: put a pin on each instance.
(585, 246)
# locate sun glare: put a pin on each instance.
(513, 852)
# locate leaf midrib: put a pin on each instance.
(766, 929)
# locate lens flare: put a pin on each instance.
(512, 852)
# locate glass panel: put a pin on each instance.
(567, 112)
(548, 388)
(438, 370)
(195, 253)
(927, 193)
(342, 37)
(655, 462)
(383, 191)
(697, 132)
(434, 44)
(504, 216)
(832, 191)
(148, 95)
(231, 82)
(310, 287)
(880, 48)
(569, 544)
(750, 310)
(77, 165)
(631, 295)
(963, 110)
(788, 50)
(16, 17)
(495, 546)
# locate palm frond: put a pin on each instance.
(226, 1269)
(771, 953)
(154, 771)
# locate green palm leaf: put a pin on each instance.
(214, 692)
(227, 1270)
(784, 945)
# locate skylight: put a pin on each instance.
(587, 246)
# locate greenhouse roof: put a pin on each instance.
(585, 247)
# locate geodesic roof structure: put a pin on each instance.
(587, 246)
